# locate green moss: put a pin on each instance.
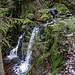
(3, 11)
(44, 17)
(62, 9)
(73, 4)
(57, 32)
(21, 23)
(38, 64)
(28, 10)
(56, 59)
(27, 21)
(42, 58)
(29, 72)
(62, 17)
(45, 4)
(4, 26)
(54, 38)
(30, 16)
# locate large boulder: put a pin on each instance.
(43, 16)
(62, 9)
(57, 46)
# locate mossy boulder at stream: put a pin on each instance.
(56, 57)
(60, 45)
(62, 9)
(37, 11)
(43, 16)
(57, 45)
(34, 11)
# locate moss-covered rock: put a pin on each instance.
(56, 47)
(27, 21)
(43, 17)
(52, 38)
(62, 9)
(58, 56)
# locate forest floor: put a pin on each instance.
(70, 62)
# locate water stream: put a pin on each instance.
(22, 67)
(13, 52)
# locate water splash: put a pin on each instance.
(24, 66)
(13, 52)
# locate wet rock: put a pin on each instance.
(14, 60)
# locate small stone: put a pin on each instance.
(66, 72)
(52, 25)
(62, 72)
(74, 55)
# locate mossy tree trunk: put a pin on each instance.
(1, 64)
(1, 61)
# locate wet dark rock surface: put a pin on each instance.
(9, 64)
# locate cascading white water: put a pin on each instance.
(13, 52)
(23, 68)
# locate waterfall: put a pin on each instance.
(24, 66)
(13, 52)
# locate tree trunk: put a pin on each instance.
(1, 64)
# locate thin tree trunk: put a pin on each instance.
(1, 64)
